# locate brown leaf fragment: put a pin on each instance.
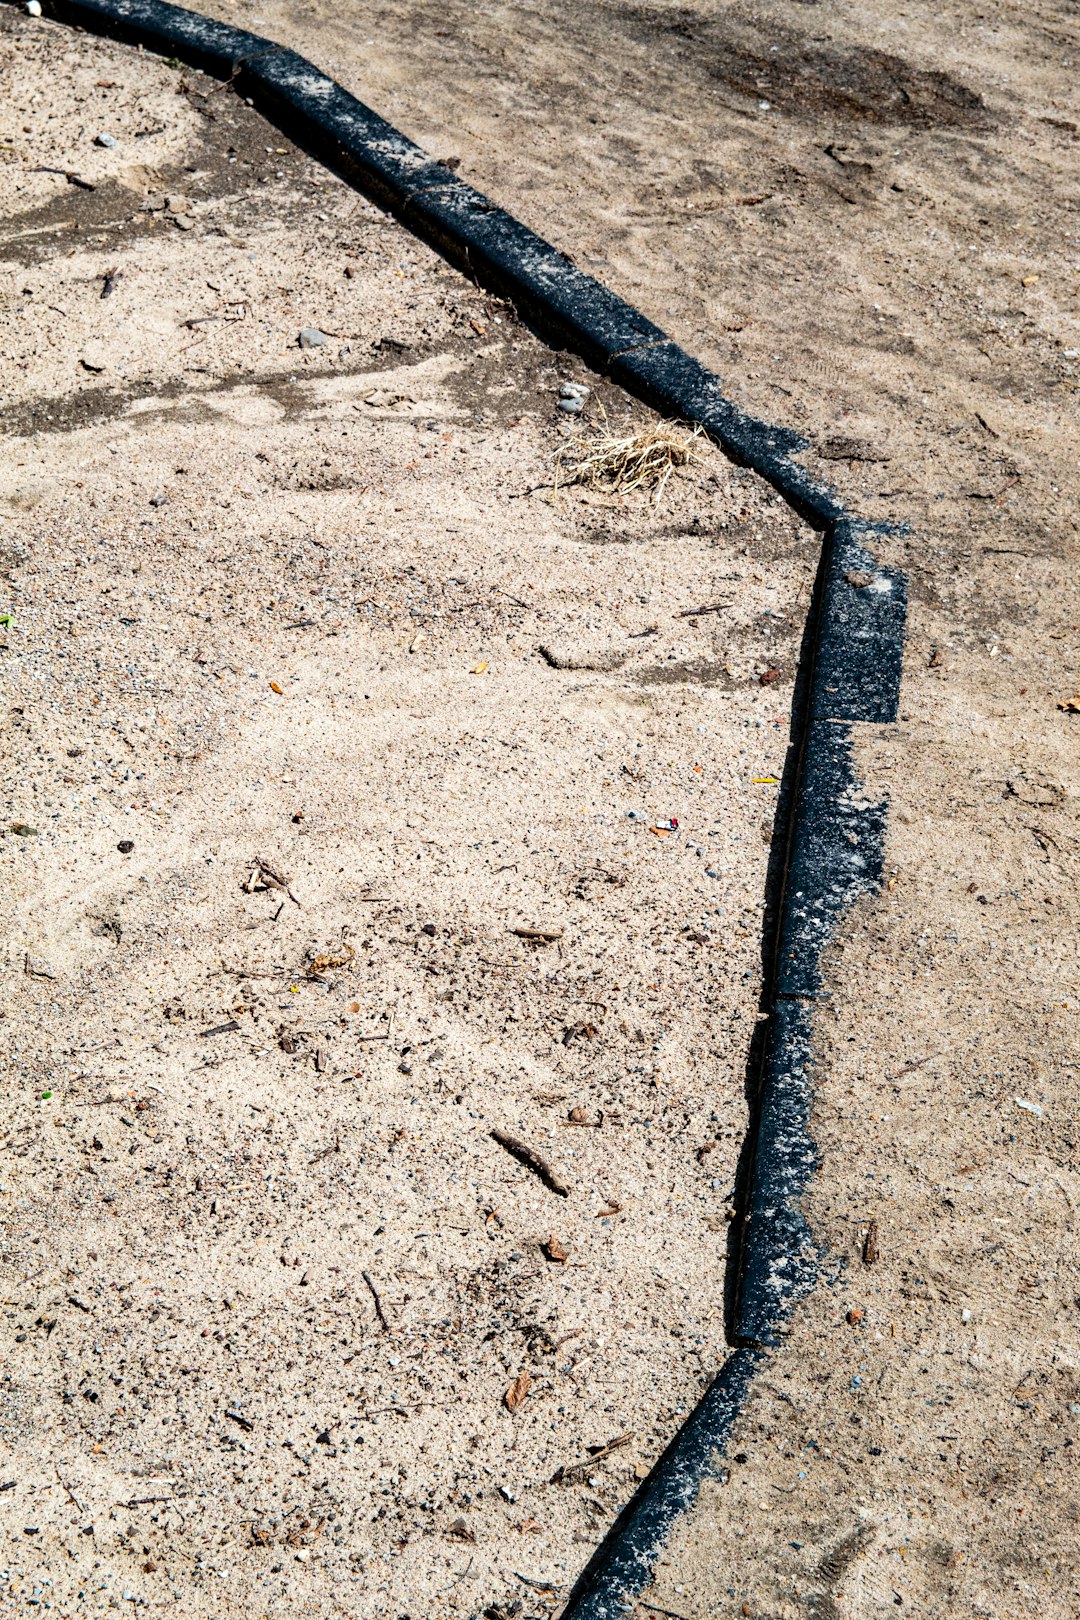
(517, 1391)
(554, 1250)
(461, 1530)
(1070, 705)
(538, 936)
(322, 961)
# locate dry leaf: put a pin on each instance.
(460, 1529)
(554, 1250)
(274, 687)
(517, 1391)
(324, 960)
(480, 668)
(1070, 705)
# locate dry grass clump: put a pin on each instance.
(615, 466)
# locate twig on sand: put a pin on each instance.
(263, 873)
(532, 1160)
(379, 1312)
(70, 1494)
(709, 607)
(572, 1470)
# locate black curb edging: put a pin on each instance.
(834, 837)
(622, 1563)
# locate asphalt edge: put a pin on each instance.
(834, 837)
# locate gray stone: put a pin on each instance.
(312, 338)
(106, 140)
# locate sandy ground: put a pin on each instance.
(879, 256)
(268, 1278)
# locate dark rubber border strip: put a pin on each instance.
(830, 838)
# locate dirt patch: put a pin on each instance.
(806, 77)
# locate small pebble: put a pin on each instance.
(33, 8)
(572, 397)
(106, 140)
(312, 338)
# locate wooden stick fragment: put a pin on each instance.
(709, 607)
(571, 1470)
(532, 1161)
(870, 1244)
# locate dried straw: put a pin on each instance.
(615, 466)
